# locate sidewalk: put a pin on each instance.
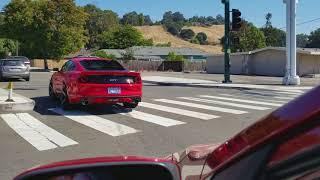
(20, 103)
(214, 80)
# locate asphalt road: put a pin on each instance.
(159, 133)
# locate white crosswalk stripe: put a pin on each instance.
(256, 97)
(200, 106)
(226, 103)
(183, 112)
(167, 122)
(242, 100)
(276, 92)
(35, 132)
(100, 124)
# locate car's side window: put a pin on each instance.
(64, 67)
(71, 66)
(68, 66)
(296, 158)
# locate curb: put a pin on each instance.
(10, 107)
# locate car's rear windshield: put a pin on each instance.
(13, 63)
(100, 65)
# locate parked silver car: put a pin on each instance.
(14, 68)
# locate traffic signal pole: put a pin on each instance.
(227, 50)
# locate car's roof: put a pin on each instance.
(8, 59)
(18, 57)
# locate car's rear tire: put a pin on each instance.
(27, 78)
(130, 105)
(52, 94)
(64, 100)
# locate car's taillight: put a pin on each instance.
(137, 79)
(83, 79)
(226, 151)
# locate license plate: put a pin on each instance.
(114, 90)
(14, 70)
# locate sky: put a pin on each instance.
(252, 10)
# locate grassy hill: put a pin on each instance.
(160, 35)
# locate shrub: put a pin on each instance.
(187, 34)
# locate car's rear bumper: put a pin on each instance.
(98, 94)
(104, 100)
(15, 74)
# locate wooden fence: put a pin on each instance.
(136, 65)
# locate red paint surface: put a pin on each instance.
(296, 145)
(287, 118)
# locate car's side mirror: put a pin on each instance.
(101, 169)
(55, 69)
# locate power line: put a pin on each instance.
(305, 22)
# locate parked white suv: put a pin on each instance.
(14, 69)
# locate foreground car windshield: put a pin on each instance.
(13, 63)
(100, 65)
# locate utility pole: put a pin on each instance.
(227, 50)
(291, 77)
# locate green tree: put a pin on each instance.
(122, 38)
(274, 37)
(98, 22)
(147, 20)
(220, 19)
(6, 46)
(47, 29)
(135, 19)
(173, 22)
(187, 34)
(141, 19)
(302, 40)
(202, 38)
(102, 54)
(250, 38)
(268, 18)
(2, 34)
(194, 41)
(314, 39)
(172, 56)
(131, 18)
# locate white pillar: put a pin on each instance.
(291, 77)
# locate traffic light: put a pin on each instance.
(236, 19)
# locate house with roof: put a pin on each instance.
(269, 61)
(151, 53)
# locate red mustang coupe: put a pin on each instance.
(93, 80)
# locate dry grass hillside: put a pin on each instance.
(160, 35)
(214, 33)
